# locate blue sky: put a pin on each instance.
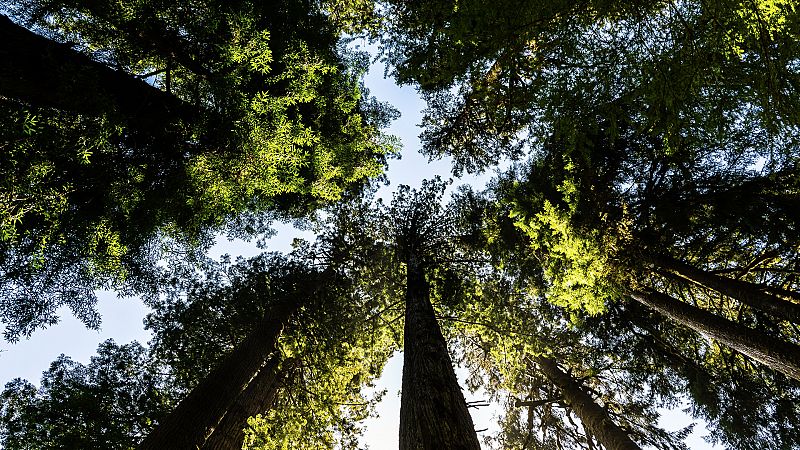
(122, 318)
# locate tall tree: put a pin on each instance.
(252, 110)
(305, 391)
(322, 355)
(199, 415)
(625, 346)
(433, 412)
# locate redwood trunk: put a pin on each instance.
(433, 412)
(45, 73)
(747, 293)
(594, 418)
(200, 413)
(774, 353)
(258, 398)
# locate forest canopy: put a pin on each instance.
(637, 249)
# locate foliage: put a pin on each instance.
(627, 355)
(501, 336)
(278, 124)
(337, 350)
(685, 74)
(108, 404)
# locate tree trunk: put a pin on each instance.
(258, 398)
(433, 412)
(774, 353)
(747, 293)
(45, 73)
(594, 418)
(196, 417)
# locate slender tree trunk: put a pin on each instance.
(45, 73)
(433, 412)
(774, 353)
(196, 417)
(258, 398)
(747, 293)
(594, 418)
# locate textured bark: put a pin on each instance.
(45, 73)
(774, 353)
(258, 398)
(747, 293)
(194, 419)
(433, 412)
(594, 418)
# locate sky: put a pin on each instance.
(122, 317)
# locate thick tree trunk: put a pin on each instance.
(433, 412)
(594, 418)
(44, 73)
(774, 353)
(196, 417)
(747, 293)
(258, 398)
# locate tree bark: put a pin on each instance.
(747, 293)
(433, 412)
(45, 73)
(774, 353)
(594, 418)
(196, 417)
(258, 398)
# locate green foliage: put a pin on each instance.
(578, 274)
(332, 346)
(271, 119)
(325, 405)
(108, 404)
(503, 332)
(683, 73)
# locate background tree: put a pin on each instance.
(107, 404)
(686, 74)
(305, 389)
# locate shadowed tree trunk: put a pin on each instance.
(774, 353)
(45, 73)
(258, 398)
(594, 418)
(433, 412)
(196, 417)
(747, 293)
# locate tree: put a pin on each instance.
(686, 74)
(253, 113)
(107, 404)
(433, 412)
(199, 414)
(401, 253)
(236, 373)
(527, 353)
(311, 359)
(622, 341)
(745, 404)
